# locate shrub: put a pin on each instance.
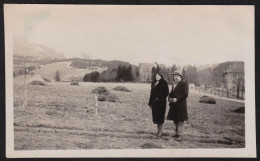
(207, 99)
(92, 77)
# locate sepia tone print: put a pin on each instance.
(110, 78)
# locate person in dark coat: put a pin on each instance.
(178, 104)
(157, 101)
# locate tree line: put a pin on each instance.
(123, 73)
(210, 77)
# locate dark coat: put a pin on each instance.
(178, 110)
(157, 101)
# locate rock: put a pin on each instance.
(36, 82)
(101, 91)
(121, 88)
(207, 99)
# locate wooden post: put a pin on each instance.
(96, 104)
(25, 91)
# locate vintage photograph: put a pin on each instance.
(128, 80)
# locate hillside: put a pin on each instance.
(225, 65)
(25, 49)
(26, 53)
(65, 70)
(30, 56)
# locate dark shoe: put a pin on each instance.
(178, 138)
(175, 135)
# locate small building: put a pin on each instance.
(191, 85)
(234, 79)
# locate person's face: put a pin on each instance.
(158, 77)
(177, 78)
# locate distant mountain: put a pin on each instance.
(217, 65)
(26, 53)
(31, 56)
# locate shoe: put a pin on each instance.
(175, 135)
(178, 138)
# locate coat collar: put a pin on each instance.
(177, 85)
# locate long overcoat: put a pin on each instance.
(158, 101)
(178, 110)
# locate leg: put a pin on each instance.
(160, 129)
(180, 131)
(176, 129)
(180, 127)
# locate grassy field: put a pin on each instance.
(61, 116)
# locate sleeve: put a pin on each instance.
(170, 94)
(166, 90)
(150, 99)
(184, 92)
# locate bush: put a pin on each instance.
(121, 88)
(92, 77)
(207, 99)
(35, 82)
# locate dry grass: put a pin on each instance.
(61, 116)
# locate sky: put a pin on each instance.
(195, 35)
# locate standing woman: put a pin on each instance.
(157, 101)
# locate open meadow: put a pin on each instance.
(61, 116)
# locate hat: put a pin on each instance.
(177, 73)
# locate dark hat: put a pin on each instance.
(177, 73)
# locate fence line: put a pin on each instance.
(222, 93)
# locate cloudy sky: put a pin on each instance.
(165, 34)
